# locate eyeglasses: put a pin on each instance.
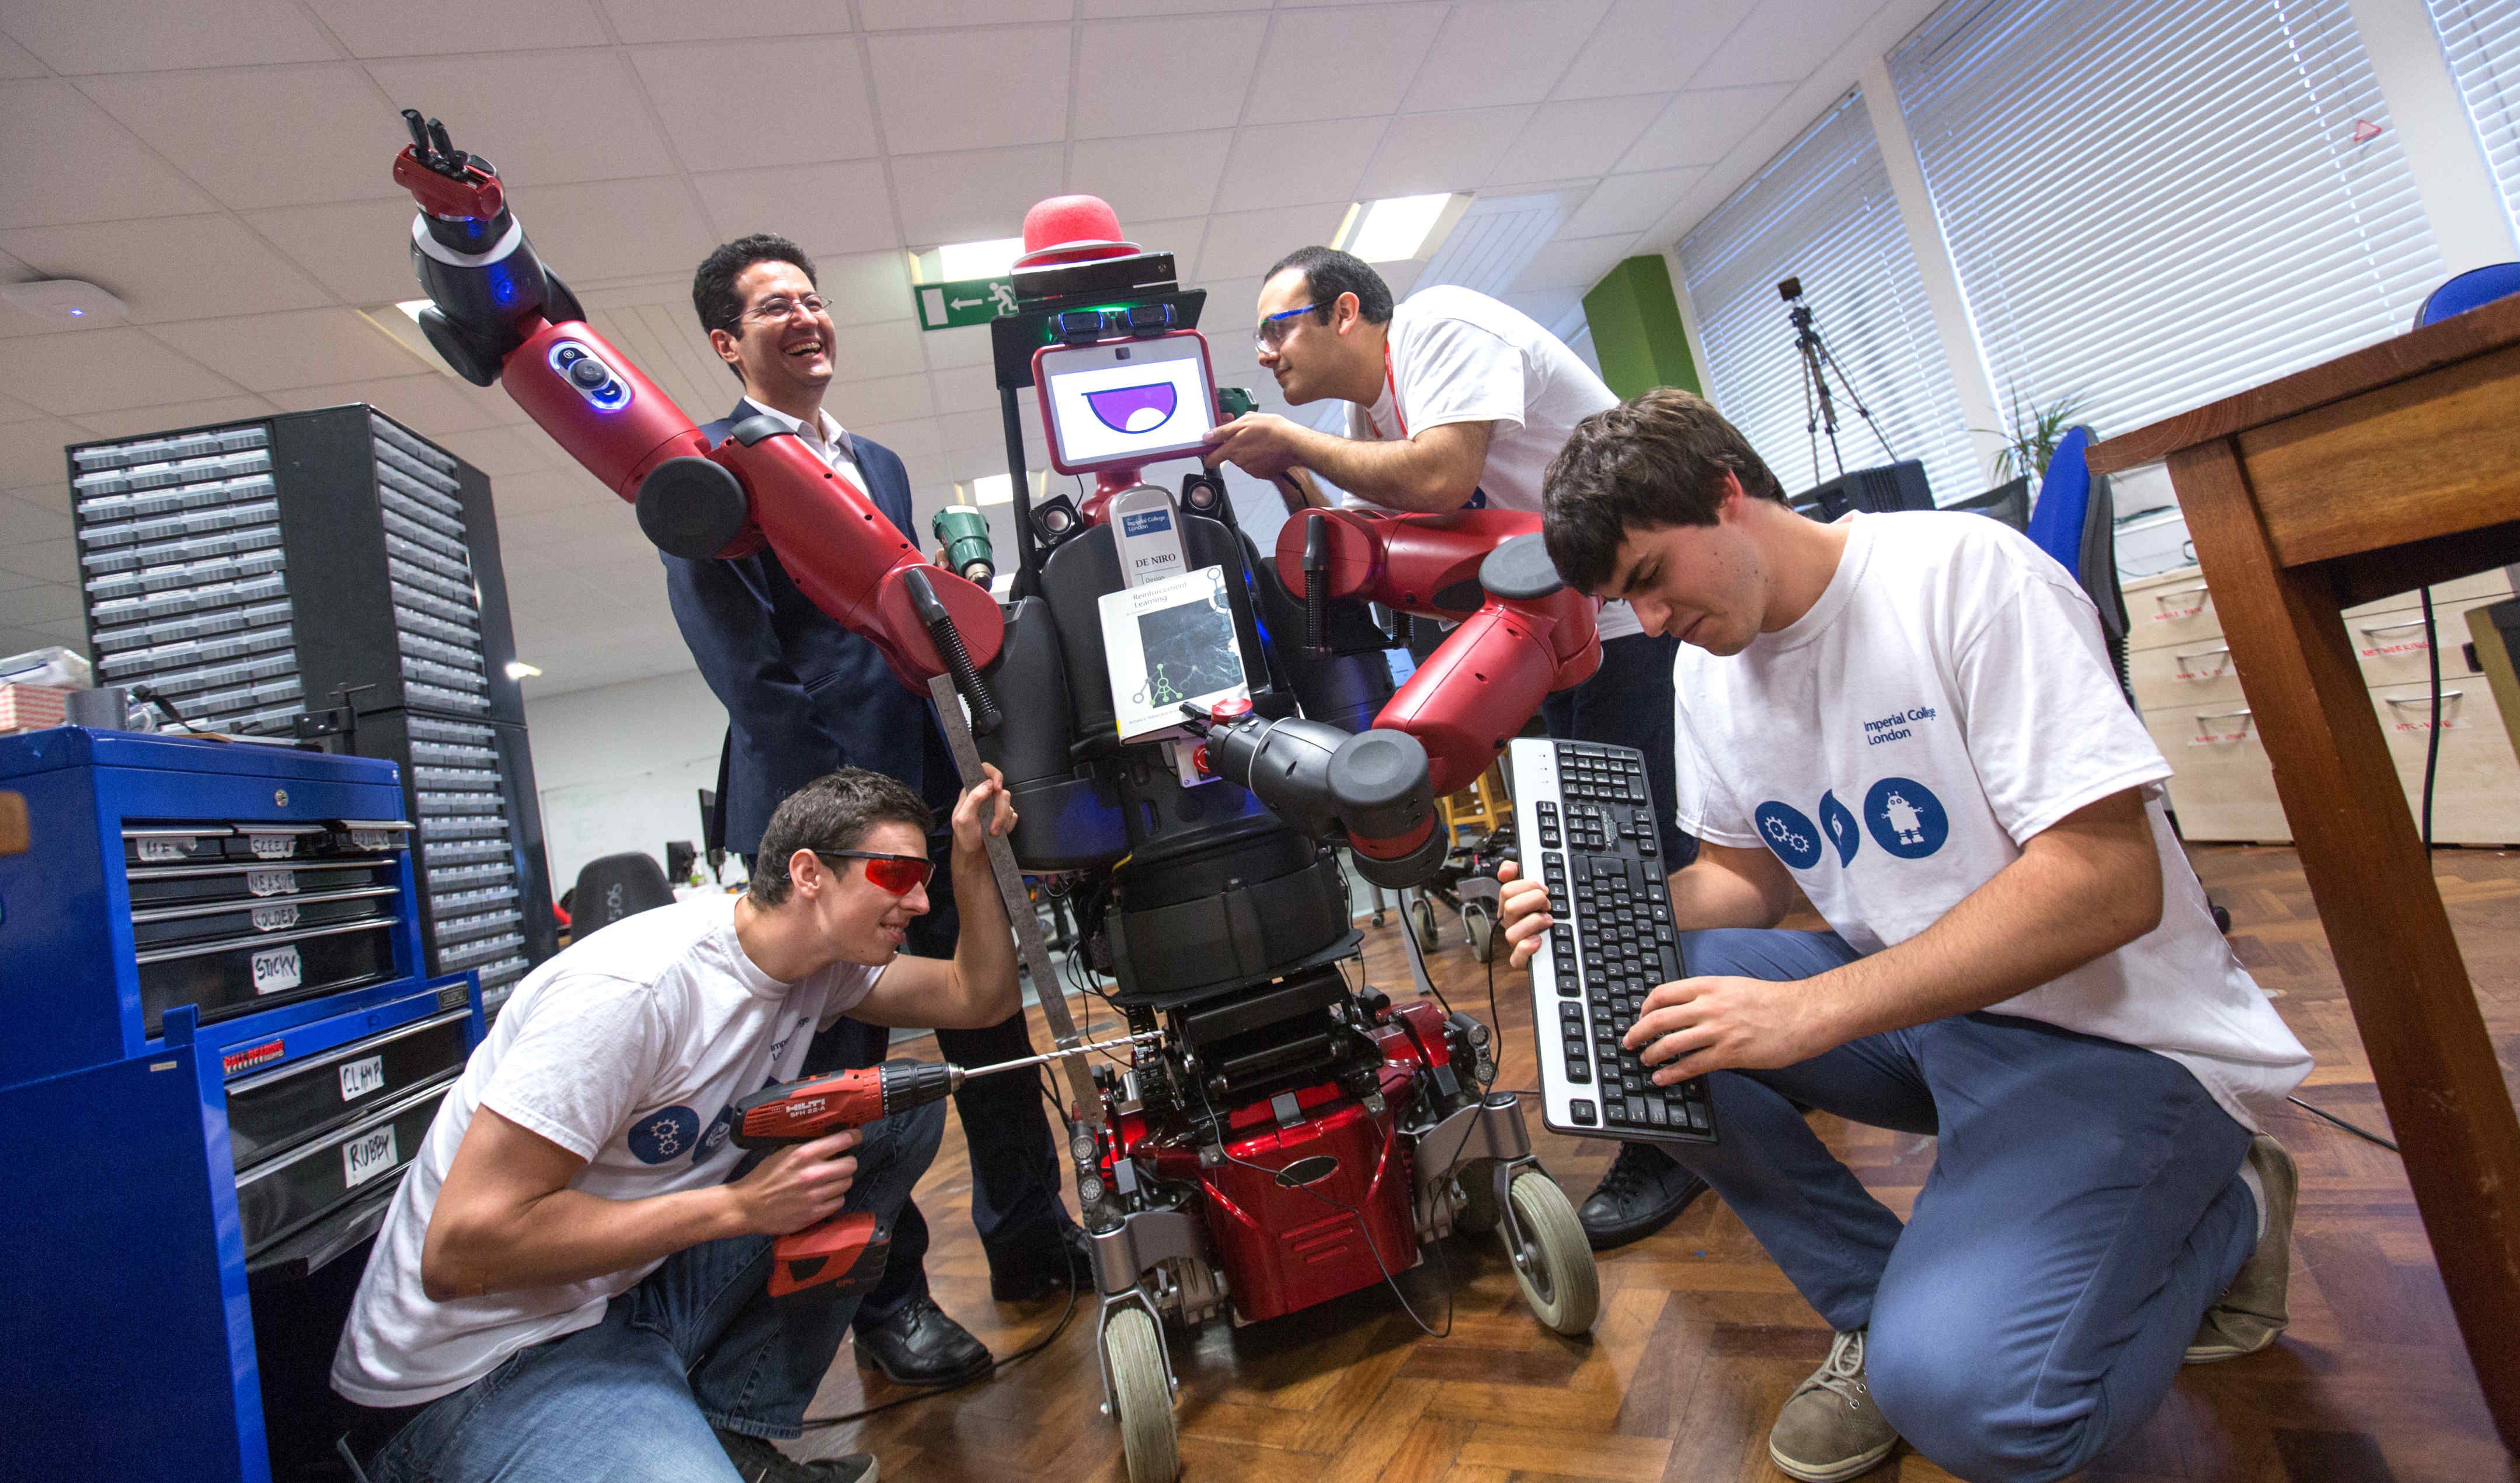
(897, 875)
(1274, 327)
(772, 310)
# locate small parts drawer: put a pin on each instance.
(155, 886)
(178, 843)
(236, 975)
(280, 916)
(272, 1112)
(282, 1194)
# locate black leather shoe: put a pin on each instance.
(1637, 1197)
(757, 1461)
(1045, 1277)
(921, 1346)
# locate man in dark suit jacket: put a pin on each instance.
(803, 696)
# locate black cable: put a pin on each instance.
(2364, 1134)
(2432, 742)
(1496, 1022)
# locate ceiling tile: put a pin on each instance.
(1343, 63)
(564, 487)
(888, 400)
(360, 250)
(903, 15)
(17, 62)
(867, 286)
(1631, 203)
(642, 20)
(1150, 175)
(842, 207)
(30, 453)
(17, 411)
(803, 100)
(1645, 46)
(1442, 151)
(100, 369)
(132, 421)
(1493, 54)
(616, 229)
(171, 267)
(313, 347)
(1178, 235)
(1243, 244)
(530, 112)
(42, 561)
(1701, 126)
(42, 602)
(1287, 165)
(867, 352)
(1098, 9)
(151, 35)
(430, 405)
(501, 452)
(972, 89)
(265, 137)
(1114, 98)
(1783, 40)
(69, 161)
(975, 197)
(1574, 262)
(1566, 141)
(392, 29)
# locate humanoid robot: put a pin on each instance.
(1188, 747)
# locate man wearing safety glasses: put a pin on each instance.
(572, 1283)
(1453, 397)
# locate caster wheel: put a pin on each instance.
(1422, 921)
(1555, 1266)
(1133, 1350)
(1379, 916)
(1478, 926)
(1478, 1213)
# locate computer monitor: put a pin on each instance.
(1127, 403)
(1875, 491)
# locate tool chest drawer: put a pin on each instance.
(162, 886)
(237, 975)
(272, 1113)
(281, 1196)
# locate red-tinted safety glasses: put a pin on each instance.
(899, 875)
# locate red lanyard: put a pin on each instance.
(1396, 415)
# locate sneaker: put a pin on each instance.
(1828, 1428)
(2250, 1313)
(1641, 1193)
(757, 1460)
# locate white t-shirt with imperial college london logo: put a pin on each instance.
(628, 1049)
(1458, 356)
(1947, 698)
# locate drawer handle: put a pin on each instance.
(2221, 715)
(2447, 696)
(2375, 631)
(2178, 592)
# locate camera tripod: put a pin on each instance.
(1819, 407)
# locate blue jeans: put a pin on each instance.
(696, 1345)
(2084, 1209)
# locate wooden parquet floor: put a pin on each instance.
(1700, 1336)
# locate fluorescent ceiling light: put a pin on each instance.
(519, 669)
(979, 260)
(992, 489)
(1395, 230)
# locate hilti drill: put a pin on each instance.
(843, 1256)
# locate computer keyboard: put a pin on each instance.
(1584, 823)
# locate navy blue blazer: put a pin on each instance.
(803, 696)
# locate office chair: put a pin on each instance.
(613, 887)
(2471, 289)
(2075, 521)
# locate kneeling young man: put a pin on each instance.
(1911, 717)
(568, 1285)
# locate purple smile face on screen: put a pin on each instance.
(1134, 409)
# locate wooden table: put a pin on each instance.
(2379, 472)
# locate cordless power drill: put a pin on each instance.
(843, 1256)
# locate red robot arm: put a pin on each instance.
(498, 315)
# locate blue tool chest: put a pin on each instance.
(221, 1055)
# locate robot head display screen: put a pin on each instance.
(1126, 403)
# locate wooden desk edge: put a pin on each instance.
(2462, 337)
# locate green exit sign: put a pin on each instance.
(968, 301)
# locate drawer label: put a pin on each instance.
(271, 919)
(272, 846)
(368, 1156)
(157, 850)
(372, 839)
(276, 968)
(361, 1077)
(270, 882)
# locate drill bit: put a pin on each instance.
(957, 1075)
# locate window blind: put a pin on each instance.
(2481, 38)
(1823, 212)
(2159, 203)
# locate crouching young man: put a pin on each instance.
(1910, 716)
(568, 1285)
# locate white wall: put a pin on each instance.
(621, 767)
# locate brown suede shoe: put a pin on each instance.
(2250, 1313)
(1828, 1429)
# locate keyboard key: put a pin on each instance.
(1656, 1116)
(1581, 1109)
